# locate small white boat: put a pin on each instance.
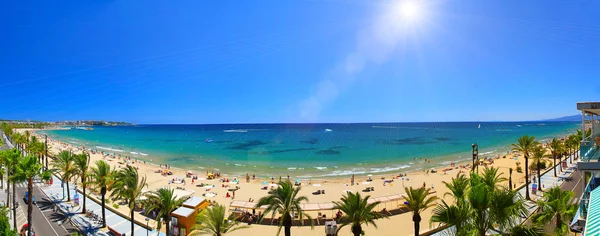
(328, 130)
(479, 126)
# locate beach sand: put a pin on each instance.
(395, 225)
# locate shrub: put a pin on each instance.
(116, 206)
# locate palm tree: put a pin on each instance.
(357, 211)
(163, 201)
(128, 185)
(458, 188)
(418, 200)
(571, 144)
(100, 177)
(490, 177)
(28, 169)
(527, 231)
(555, 148)
(556, 203)
(212, 221)
(64, 167)
(11, 157)
(525, 145)
(479, 206)
(510, 170)
(538, 154)
(82, 166)
(285, 201)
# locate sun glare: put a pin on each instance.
(409, 10)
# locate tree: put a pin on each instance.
(555, 148)
(538, 154)
(4, 225)
(163, 201)
(522, 230)
(285, 201)
(212, 221)
(525, 145)
(418, 200)
(128, 186)
(357, 211)
(481, 205)
(82, 166)
(11, 157)
(27, 169)
(556, 203)
(101, 177)
(510, 170)
(65, 168)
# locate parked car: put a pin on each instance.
(26, 197)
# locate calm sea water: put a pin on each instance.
(309, 150)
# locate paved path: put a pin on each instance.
(86, 224)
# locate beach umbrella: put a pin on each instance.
(264, 183)
(369, 175)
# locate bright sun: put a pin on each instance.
(409, 10)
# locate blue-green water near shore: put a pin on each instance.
(310, 150)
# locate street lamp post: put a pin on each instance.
(475, 155)
(147, 230)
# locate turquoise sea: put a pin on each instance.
(310, 150)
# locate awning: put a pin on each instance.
(592, 226)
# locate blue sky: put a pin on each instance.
(190, 61)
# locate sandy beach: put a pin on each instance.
(400, 224)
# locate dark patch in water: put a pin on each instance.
(311, 141)
(246, 145)
(282, 151)
(183, 159)
(328, 152)
(337, 147)
(442, 139)
(407, 141)
(220, 142)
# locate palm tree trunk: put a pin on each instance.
(83, 186)
(287, 225)
(356, 230)
(510, 181)
(417, 220)
(68, 192)
(29, 205)
(7, 189)
(527, 177)
(167, 221)
(539, 178)
(14, 207)
(103, 211)
(554, 156)
(132, 224)
(560, 163)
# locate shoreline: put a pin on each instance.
(317, 173)
(384, 185)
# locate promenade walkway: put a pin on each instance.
(88, 225)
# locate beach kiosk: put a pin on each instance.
(196, 203)
(182, 221)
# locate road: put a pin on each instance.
(43, 216)
(44, 220)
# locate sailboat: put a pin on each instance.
(479, 126)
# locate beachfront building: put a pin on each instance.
(182, 221)
(587, 218)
